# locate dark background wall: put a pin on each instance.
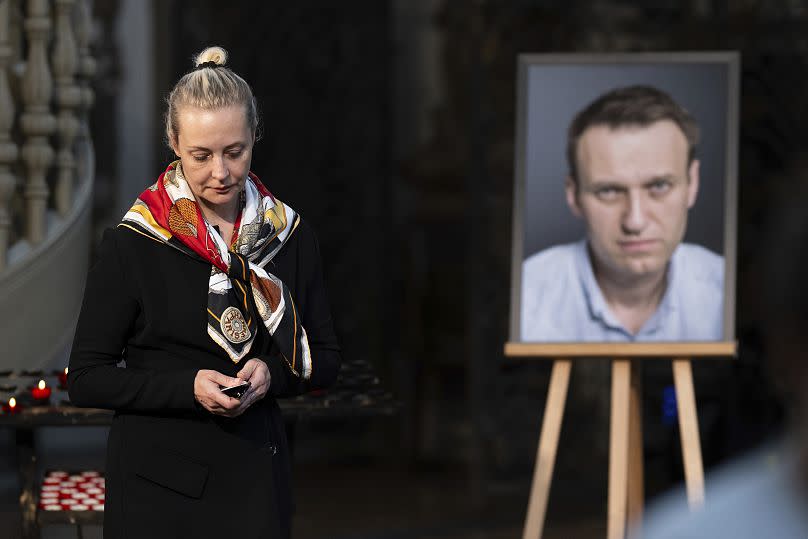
(413, 209)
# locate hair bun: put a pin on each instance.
(215, 55)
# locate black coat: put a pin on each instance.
(173, 469)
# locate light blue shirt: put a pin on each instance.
(562, 302)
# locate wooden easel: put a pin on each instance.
(625, 503)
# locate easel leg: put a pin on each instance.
(636, 490)
(618, 450)
(548, 446)
(689, 431)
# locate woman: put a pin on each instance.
(207, 282)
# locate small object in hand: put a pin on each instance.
(11, 407)
(236, 391)
(41, 393)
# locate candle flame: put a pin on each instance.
(12, 402)
(41, 384)
(65, 370)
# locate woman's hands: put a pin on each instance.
(208, 393)
(208, 383)
(256, 372)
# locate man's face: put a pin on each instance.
(634, 190)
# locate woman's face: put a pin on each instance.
(215, 147)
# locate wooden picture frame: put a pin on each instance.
(553, 87)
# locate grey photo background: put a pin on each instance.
(556, 92)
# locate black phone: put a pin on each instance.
(236, 391)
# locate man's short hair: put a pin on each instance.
(637, 106)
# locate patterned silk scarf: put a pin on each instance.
(167, 212)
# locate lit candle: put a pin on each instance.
(41, 392)
(63, 379)
(11, 407)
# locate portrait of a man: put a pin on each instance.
(633, 177)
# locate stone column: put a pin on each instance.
(37, 122)
(68, 98)
(86, 68)
(8, 150)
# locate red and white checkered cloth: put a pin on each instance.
(62, 491)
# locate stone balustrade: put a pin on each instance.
(45, 146)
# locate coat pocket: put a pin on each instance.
(173, 471)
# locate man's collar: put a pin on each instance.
(599, 309)
(595, 302)
(669, 302)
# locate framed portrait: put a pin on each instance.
(625, 198)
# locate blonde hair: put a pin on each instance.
(209, 87)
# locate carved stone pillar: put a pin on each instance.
(86, 67)
(68, 97)
(8, 150)
(37, 122)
